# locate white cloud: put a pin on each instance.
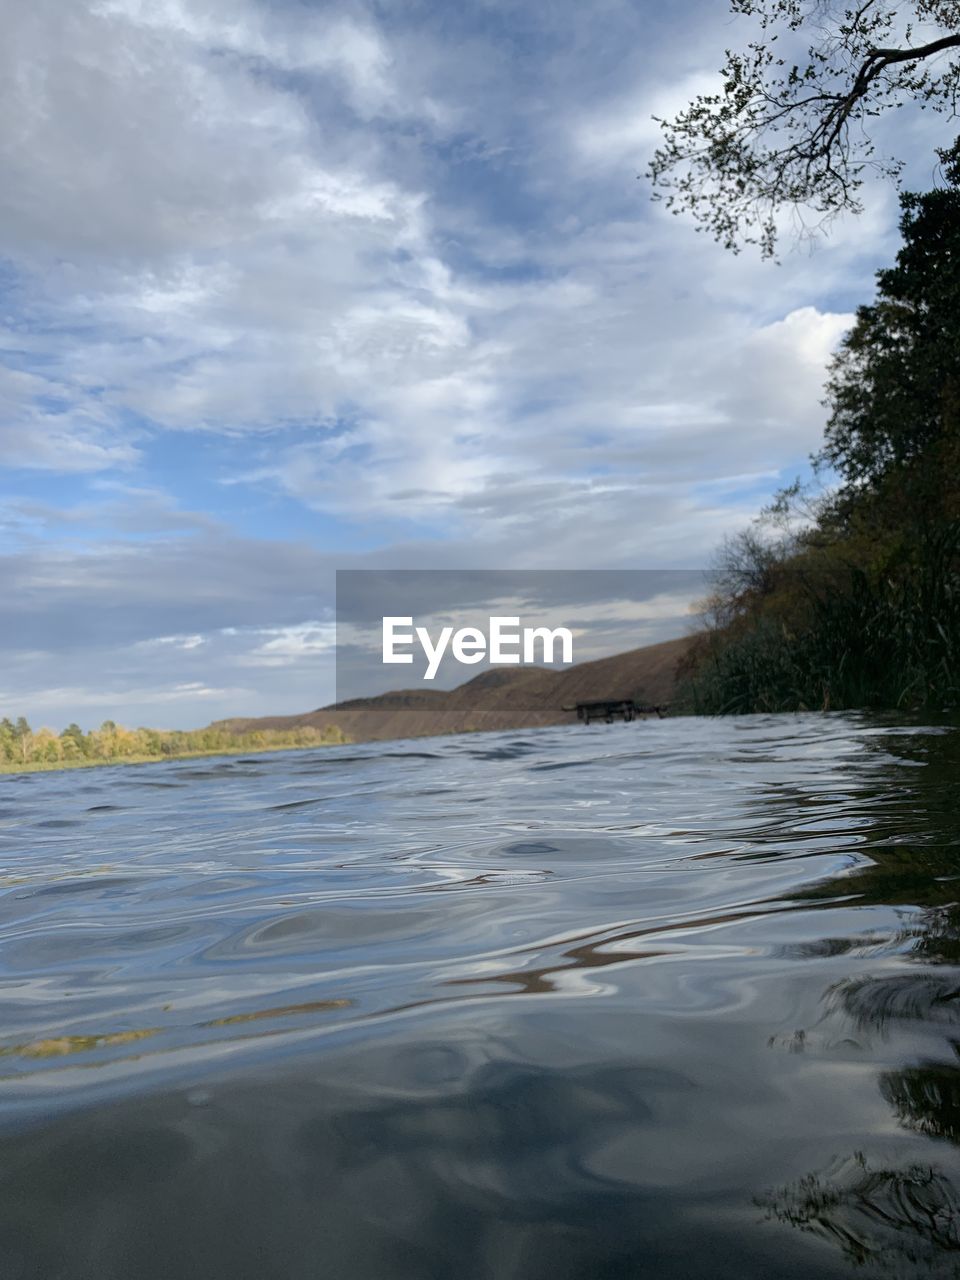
(60, 438)
(175, 642)
(291, 645)
(257, 267)
(625, 131)
(69, 698)
(411, 282)
(780, 374)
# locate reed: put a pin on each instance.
(856, 638)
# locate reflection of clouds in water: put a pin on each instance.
(397, 1014)
(508, 1167)
(894, 1219)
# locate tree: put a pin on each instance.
(23, 734)
(73, 740)
(788, 128)
(46, 746)
(20, 745)
(894, 387)
(852, 599)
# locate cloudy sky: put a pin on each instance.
(290, 287)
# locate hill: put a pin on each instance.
(504, 698)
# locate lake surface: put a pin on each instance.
(670, 999)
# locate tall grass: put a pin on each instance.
(858, 637)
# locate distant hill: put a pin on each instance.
(504, 698)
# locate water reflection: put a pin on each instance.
(440, 1163)
(64, 1045)
(562, 1005)
(926, 1098)
(903, 1222)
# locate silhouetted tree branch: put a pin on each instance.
(784, 134)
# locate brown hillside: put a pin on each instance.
(497, 699)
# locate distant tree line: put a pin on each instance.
(850, 597)
(21, 746)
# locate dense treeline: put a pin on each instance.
(851, 598)
(22, 747)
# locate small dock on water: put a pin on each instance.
(610, 709)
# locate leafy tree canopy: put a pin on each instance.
(894, 388)
(788, 127)
(852, 598)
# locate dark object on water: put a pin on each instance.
(612, 709)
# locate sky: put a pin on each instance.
(295, 287)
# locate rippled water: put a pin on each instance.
(669, 999)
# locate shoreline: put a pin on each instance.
(8, 769)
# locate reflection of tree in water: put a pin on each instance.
(913, 846)
(926, 1098)
(913, 843)
(872, 1003)
(902, 1221)
(885, 1219)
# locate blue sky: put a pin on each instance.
(289, 287)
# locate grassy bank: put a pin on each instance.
(818, 631)
(24, 751)
(6, 767)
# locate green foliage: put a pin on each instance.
(21, 747)
(895, 383)
(853, 599)
(836, 635)
(788, 126)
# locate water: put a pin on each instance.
(671, 999)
